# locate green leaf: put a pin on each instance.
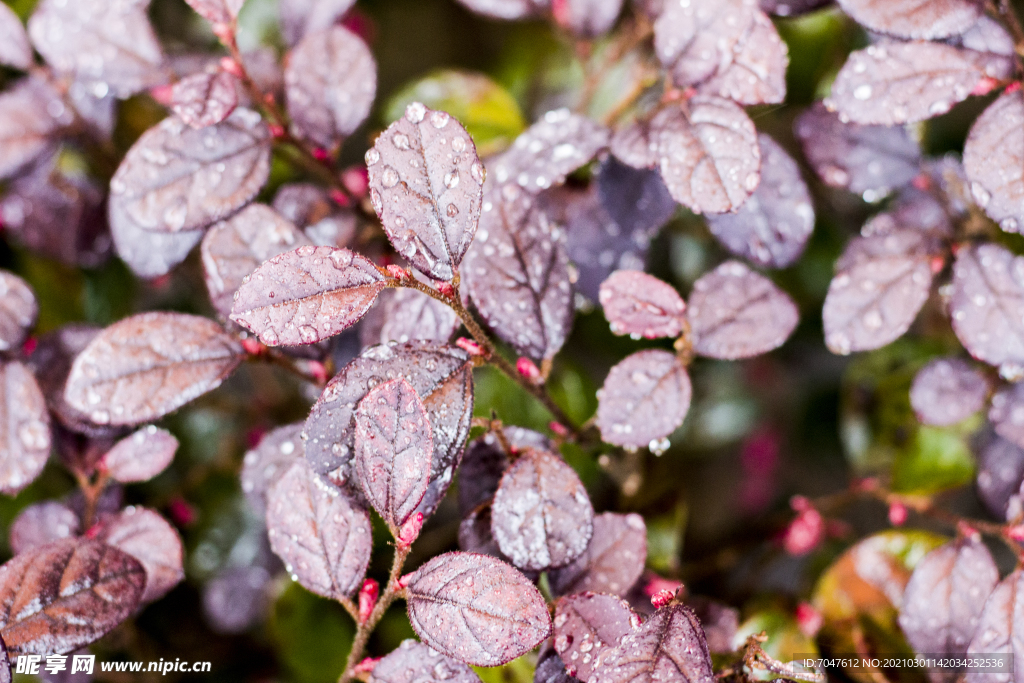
(312, 635)
(936, 459)
(517, 671)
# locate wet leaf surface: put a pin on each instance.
(1000, 473)
(587, 18)
(644, 398)
(237, 599)
(330, 82)
(993, 157)
(988, 45)
(66, 594)
(307, 295)
(410, 315)
(475, 534)
(551, 668)
(505, 9)
(1001, 623)
(14, 48)
(150, 539)
(485, 462)
(148, 365)
(302, 17)
(414, 662)
(217, 11)
(41, 523)
(205, 99)
(947, 391)
(149, 254)
(914, 18)
(267, 463)
(476, 609)
(641, 305)
(541, 517)
(25, 434)
(987, 306)
(613, 561)
(426, 185)
(140, 456)
(791, 8)
(322, 537)
(18, 310)
(588, 624)
(635, 199)
(25, 133)
(51, 362)
(773, 226)
(1007, 413)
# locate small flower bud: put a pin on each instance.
(398, 272)
(410, 530)
(529, 370)
(447, 289)
(356, 180)
(658, 585)
(808, 619)
(986, 85)
(29, 346)
(800, 503)
(469, 346)
(366, 666)
(403, 581)
(276, 131)
(223, 32)
(318, 371)
(1016, 533)
(162, 94)
(232, 67)
(253, 346)
(558, 428)
(368, 599)
(340, 198)
(897, 514)
(1013, 87)
(321, 154)
(182, 513)
(662, 598)
(804, 533)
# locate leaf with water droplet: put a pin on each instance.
(176, 178)
(708, 153)
(409, 314)
(1000, 474)
(636, 303)
(150, 539)
(299, 18)
(26, 434)
(148, 253)
(728, 48)
(892, 83)
(551, 668)
(911, 19)
(426, 184)
(636, 200)
(1001, 624)
(870, 161)
(476, 609)
(148, 365)
(41, 523)
(588, 624)
(773, 226)
(236, 599)
(109, 46)
(486, 461)
(475, 533)
(14, 48)
(205, 99)
(881, 282)
(987, 305)
(31, 116)
(18, 310)
(791, 8)
(993, 158)
(268, 461)
(60, 596)
(541, 517)
(140, 456)
(506, 9)
(1007, 413)
(989, 45)
(414, 662)
(613, 561)
(644, 398)
(323, 538)
(217, 11)
(587, 18)
(947, 391)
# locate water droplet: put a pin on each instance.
(389, 178)
(415, 112)
(451, 179)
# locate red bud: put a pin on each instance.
(897, 514)
(528, 369)
(808, 619)
(368, 599)
(662, 598)
(410, 531)
(232, 67)
(470, 346)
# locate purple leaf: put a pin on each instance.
(1000, 474)
(945, 595)
(927, 19)
(303, 203)
(987, 305)
(992, 159)
(31, 115)
(1007, 413)
(587, 18)
(110, 46)
(881, 282)
(141, 456)
(41, 523)
(302, 17)
(550, 668)
(267, 463)
(669, 647)
(588, 624)
(476, 609)
(728, 48)
(150, 539)
(426, 185)
(149, 254)
(708, 153)
(894, 83)
(323, 539)
(506, 9)
(486, 461)
(330, 81)
(414, 662)
(636, 144)
(393, 446)
(719, 621)
(947, 391)
(307, 295)
(148, 365)
(25, 434)
(179, 179)
(644, 398)
(234, 248)
(773, 226)
(641, 305)
(867, 160)
(990, 46)
(237, 598)
(791, 8)
(518, 274)
(475, 533)
(217, 11)
(613, 561)
(58, 597)
(14, 48)
(541, 517)
(635, 199)
(51, 362)
(18, 310)
(1000, 625)
(409, 315)
(205, 99)
(914, 208)
(736, 312)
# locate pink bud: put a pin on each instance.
(922, 182)
(398, 272)
(340, 198)
(967, 531)
(1016, 533)
(897, 514)
(182, 513)
(321, 154)
(368, 599)
(808, 619)
(232, 67)
(804, 533)
(937, 264)
(403, 581)
(469, 346)
(986, 85)
(1013, 87)
(662, 598)
(659, 585)
(318, 370)
(558, 428)
(276, 131)
(29, 346)
(410, 530)
(270, 98)
(528, 369)
(162, 94)
(447, 289)
(93, 531)
(223, 32)
(253, 346)
(366, 666)
(800, 503)
(356, 180)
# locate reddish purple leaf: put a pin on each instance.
(1007, 413)
(613, 561)
(736, 312)
(304, 203)
(322, 537)
(947, 391)
(587, 18)
(148, 253)
(205, 99)
(150, 539)
(302, 17)
(708, 153)
(1000, 626)
(217, 11)
(486, 461)
(641, 305)
(267, 463)
(18, 310)
(541, 517)
(179, 179)
(506, 9)
(990, 46)
(237, 598)
(141, 456)
(719, 621)
(987, 305)
(644, 399)
(945, 595)
(588, 624)
(475, 533)
(669, 647)
(550, 668)
(25, 433)
(414, 662)
(728, 48)
(881, 282)
(1000, 474)
(636, 200)
(307, 295)
(31, 116)
(234, 248)
(41, 523)
(51, 362)
(330, 81)
(924, 211)
(409, 315)
(426, 184)
(928, 19)
(636, 144)
(148, 365)
(773, 226)
(58, 597)
(393, 446)
(893, 83)
(14, 48)
(992, 159)
(476, 609)
(867, 160)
